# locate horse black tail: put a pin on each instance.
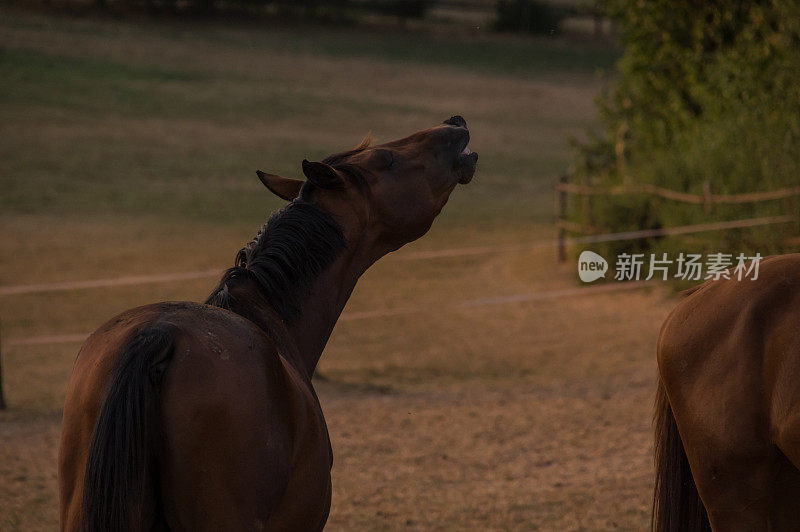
(120, 482)
(676, 503)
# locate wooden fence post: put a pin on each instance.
(588, 211)
(707, 195)
(790, 204)
(562, 216)
(619, 151)
(597, 17)
(2, 397)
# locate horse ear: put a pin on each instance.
(283, 187)
(322, 175)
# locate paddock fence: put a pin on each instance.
(563, 190)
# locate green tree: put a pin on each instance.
(707, 94)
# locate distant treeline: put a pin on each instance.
(292, 8)
(522, 16)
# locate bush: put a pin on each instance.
(527, 16)
(708, 92)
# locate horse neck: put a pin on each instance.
(302, 340)
(324, 305)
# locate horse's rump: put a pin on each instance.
(728, 365)
(172, 386)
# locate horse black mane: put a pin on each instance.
(295, 245)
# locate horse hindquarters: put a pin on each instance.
(119, 482)
(197, 423)
(676, 503)
(720, 424)
(244, 445)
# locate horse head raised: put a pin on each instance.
(387, 193)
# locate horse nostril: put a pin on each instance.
(456, 120)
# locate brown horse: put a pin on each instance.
(184, 416)
(728, 405)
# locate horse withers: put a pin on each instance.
(186, 416)
(728, 405)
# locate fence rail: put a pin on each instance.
(564, 188)
(699, 199)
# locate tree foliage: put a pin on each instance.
(708, 95)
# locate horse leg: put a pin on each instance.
(734, 485)
(741, 503)
(718, 409)
(729, 452)
(785, 494)
(787, 484)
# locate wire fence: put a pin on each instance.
(564, 189)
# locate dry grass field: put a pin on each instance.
(130, 149)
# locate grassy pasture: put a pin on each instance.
(130, 148)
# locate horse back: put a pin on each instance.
(231, 415)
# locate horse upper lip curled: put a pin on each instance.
(466, 160)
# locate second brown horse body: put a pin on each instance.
(188, 416)
(728, 412)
